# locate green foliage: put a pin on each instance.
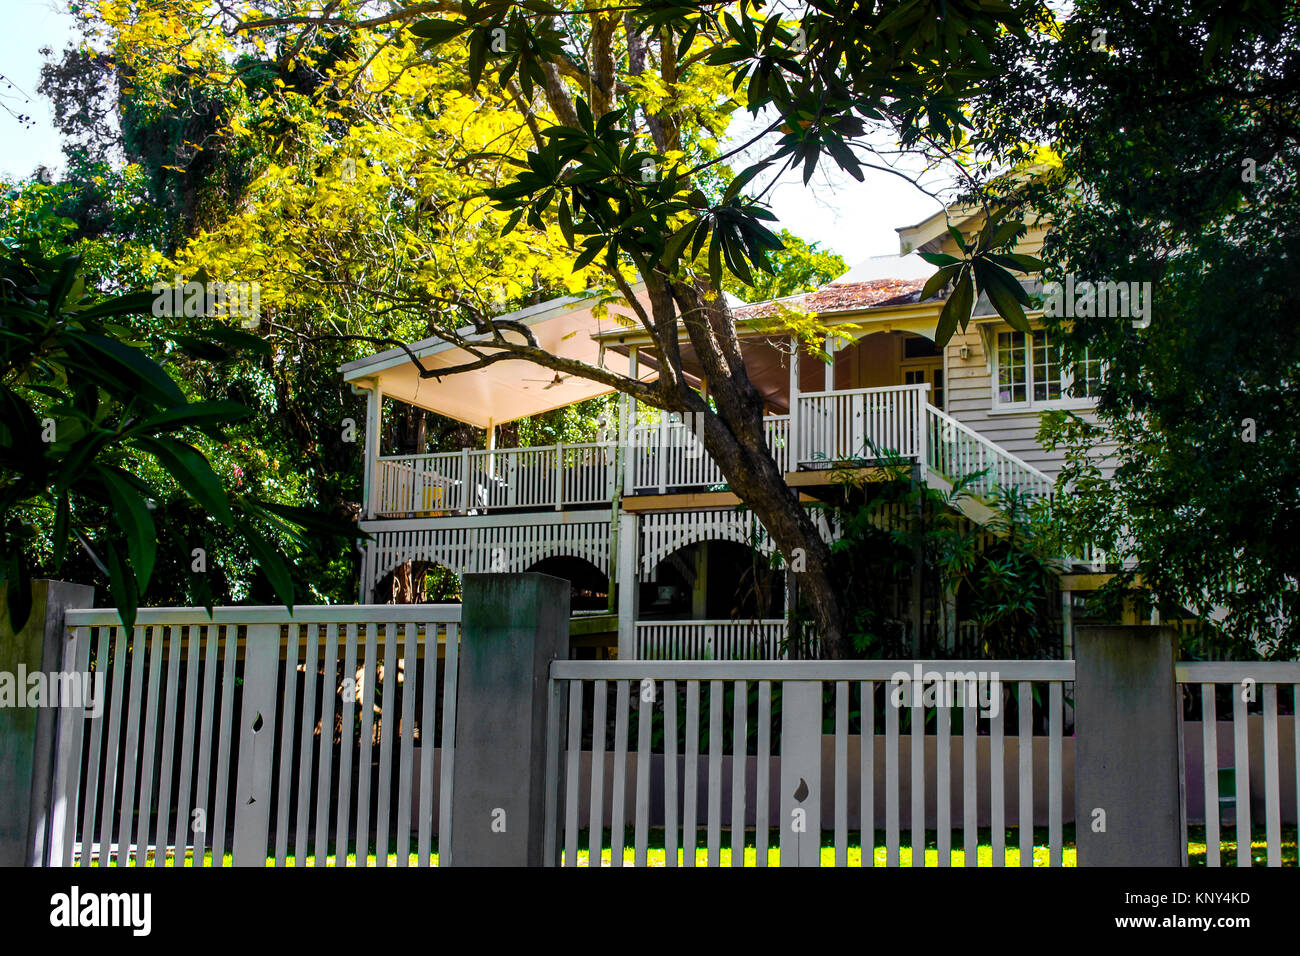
(998, 578)
(92, 426)
(1174, 135)
(797, 267)
(832, 77)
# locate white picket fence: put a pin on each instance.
(219, 734)
(258, 737)
(696, 785)
(1244, 684)
(711, 640)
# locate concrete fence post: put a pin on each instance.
(513, 625)
(28, 735)
(1129, 802)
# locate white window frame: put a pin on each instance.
(1030, 404)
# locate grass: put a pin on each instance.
(657, 856)
(1228, 846)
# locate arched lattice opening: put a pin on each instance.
(419, 582)
(714, 580)
(589, 586)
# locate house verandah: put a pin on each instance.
(642, 516)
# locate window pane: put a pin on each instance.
(936, 396)
(1087, 376)
(1012, 370)
(1047, 369)
(919, 347)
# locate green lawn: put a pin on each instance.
(1228, 846)
(656, 855)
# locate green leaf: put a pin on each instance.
(121, 585)
(191, 471)
(18, 588)
(957, 310)
(939, 280)
(194, 414)
(677, 243)
(137, 370)
(272, 565)
(438, 31)
(939, 258)
(132, 516)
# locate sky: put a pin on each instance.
(856, 220)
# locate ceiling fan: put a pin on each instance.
(551, 382)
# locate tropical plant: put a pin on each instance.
(92, 426)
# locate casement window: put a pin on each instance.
(1029, 372)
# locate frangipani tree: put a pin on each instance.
(595, 128)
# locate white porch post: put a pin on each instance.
(796, 438)
(627, 421)
(629, 585)
(368, 573)
(370, 473)
(1067, 624)
(828, 374)
(491, 447)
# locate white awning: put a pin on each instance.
(512, 388)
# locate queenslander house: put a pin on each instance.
(663, 559)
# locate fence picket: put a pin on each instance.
(670, 773)
(343, 811)
(574, 758)
(943, 784)
(429, 743)
(763, 774)
(618, 803)
(1210, 766)
(596, 815)
(289, 698)
(1025, 746)
(325, 760)
(96, 742)
(369, 682)
(892, 782)
(1241, 771)
(997, 780)
(1054, 837)
(1272, 795)
(713, 820)
(641, 832)
(739, 746)
(387, 730)
(451, 670)
(131, 749)
(970, 792)
(691, 783)
(150, 736)
(306, 726)
(867, 771)
(410, 675)
(230, 638)
(917, 737)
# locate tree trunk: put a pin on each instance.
(734, 436)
